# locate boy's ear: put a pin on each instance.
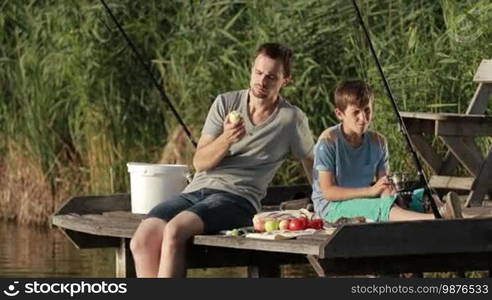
(339, 114)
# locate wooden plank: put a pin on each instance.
(269, 270)
(419, 126)
(278, 194)
(287, 246)
(451, 183)
(477, 212)
(212, 257)
(125, 266)
(467, 158)
(484, 71)
(465, 127)
(411, 238)
(95, 204)
(408, 263)
(317, 266)
(451, 117)
(88, 241)
(480, 99)
(426, 151)
(483, 183)
(78, 223)
(449, 164)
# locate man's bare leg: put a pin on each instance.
(146, 246)
(176, 234)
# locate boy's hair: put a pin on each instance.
(355, 92)
(277, 51)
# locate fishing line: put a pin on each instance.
(420, 172)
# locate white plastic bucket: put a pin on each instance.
(150, 184)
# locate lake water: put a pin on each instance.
(27, 251)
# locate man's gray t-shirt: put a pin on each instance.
(252, 162)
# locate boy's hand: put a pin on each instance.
(380, 186)
(233, 132)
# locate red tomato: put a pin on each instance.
(304, 221)
(296, 224)
(316, 224)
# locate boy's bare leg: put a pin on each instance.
(146, 246)
(176, 234)
(399, 214)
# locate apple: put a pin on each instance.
(271, 225)
(258, 224)
(284, 224)
(235, 116)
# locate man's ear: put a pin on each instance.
(287, 80)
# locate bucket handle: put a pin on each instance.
(189, 177)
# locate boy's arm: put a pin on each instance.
(333, 192)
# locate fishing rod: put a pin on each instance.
(403, 128)
(159, 87)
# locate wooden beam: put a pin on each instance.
(317, 266)
(449, 164)
(479, 102)
(125, 266)
(463, 153)
(408, 263)
(411, 238)
(465, 127)
(483, 183)
(95, 204)
(451, 183)
(426, 151)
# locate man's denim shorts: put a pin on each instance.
(219, 210)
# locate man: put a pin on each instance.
(235, 161)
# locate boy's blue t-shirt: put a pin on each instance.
(353, 167)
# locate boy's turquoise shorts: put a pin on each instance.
(376, 209)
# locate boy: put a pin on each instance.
(349, 156)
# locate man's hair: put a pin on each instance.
(355, 92)
(277, 51)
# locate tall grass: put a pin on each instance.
(77, 106)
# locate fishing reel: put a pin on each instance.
(407, 189)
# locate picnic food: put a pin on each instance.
(271, 225)
(235, 116)
(286, 220)
(284, 224)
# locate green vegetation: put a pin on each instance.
(75, 106)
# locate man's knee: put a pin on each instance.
(147, 237)
(182, 228)
(174, 235)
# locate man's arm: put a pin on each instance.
(210, 150)
(307, 164)
(337, 193)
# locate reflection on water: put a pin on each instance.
(27, 251)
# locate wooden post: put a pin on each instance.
(264, 270)
(125, 266)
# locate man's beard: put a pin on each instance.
(258, 94)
